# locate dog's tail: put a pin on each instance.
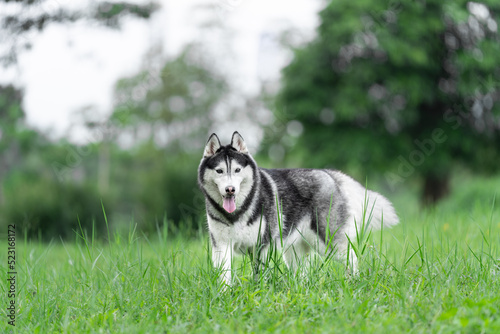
(368, 208)
(378, 211)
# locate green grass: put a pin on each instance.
(437, 272)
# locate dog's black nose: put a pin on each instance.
(230, 190)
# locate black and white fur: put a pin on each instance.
(312, 203)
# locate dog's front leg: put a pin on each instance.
(221, 257)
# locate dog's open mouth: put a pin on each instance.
(229, 203)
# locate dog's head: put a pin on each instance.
(226, 173)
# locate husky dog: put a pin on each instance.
(308, 209)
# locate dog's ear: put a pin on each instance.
(213, 144)
(238, 143)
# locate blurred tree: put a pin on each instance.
(15, 137)
(170, 102)
(18, 18)
(11, 114)
(165, 114)
(405, 87)
(33, 195)
(39, 205)
(46, 186)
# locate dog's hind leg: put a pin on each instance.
(296, 256)
(345, 254)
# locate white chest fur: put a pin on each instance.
(240, 235)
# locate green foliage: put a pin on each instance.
(32, 194)
(168, 111)
(56, 187)
(162, 113)
(181, 94)
(152, 184)
(110, 12)
(11, 114)
(16, 24)
(472, 192)
(50, 209)
(381, 76)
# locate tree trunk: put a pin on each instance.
(435, 189)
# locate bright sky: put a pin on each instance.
(70, 67)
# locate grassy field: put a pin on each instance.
(437, 272)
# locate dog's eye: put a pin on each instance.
(237, 170)
(219, 171)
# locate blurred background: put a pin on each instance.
(107, 105)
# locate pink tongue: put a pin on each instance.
(229, 204)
